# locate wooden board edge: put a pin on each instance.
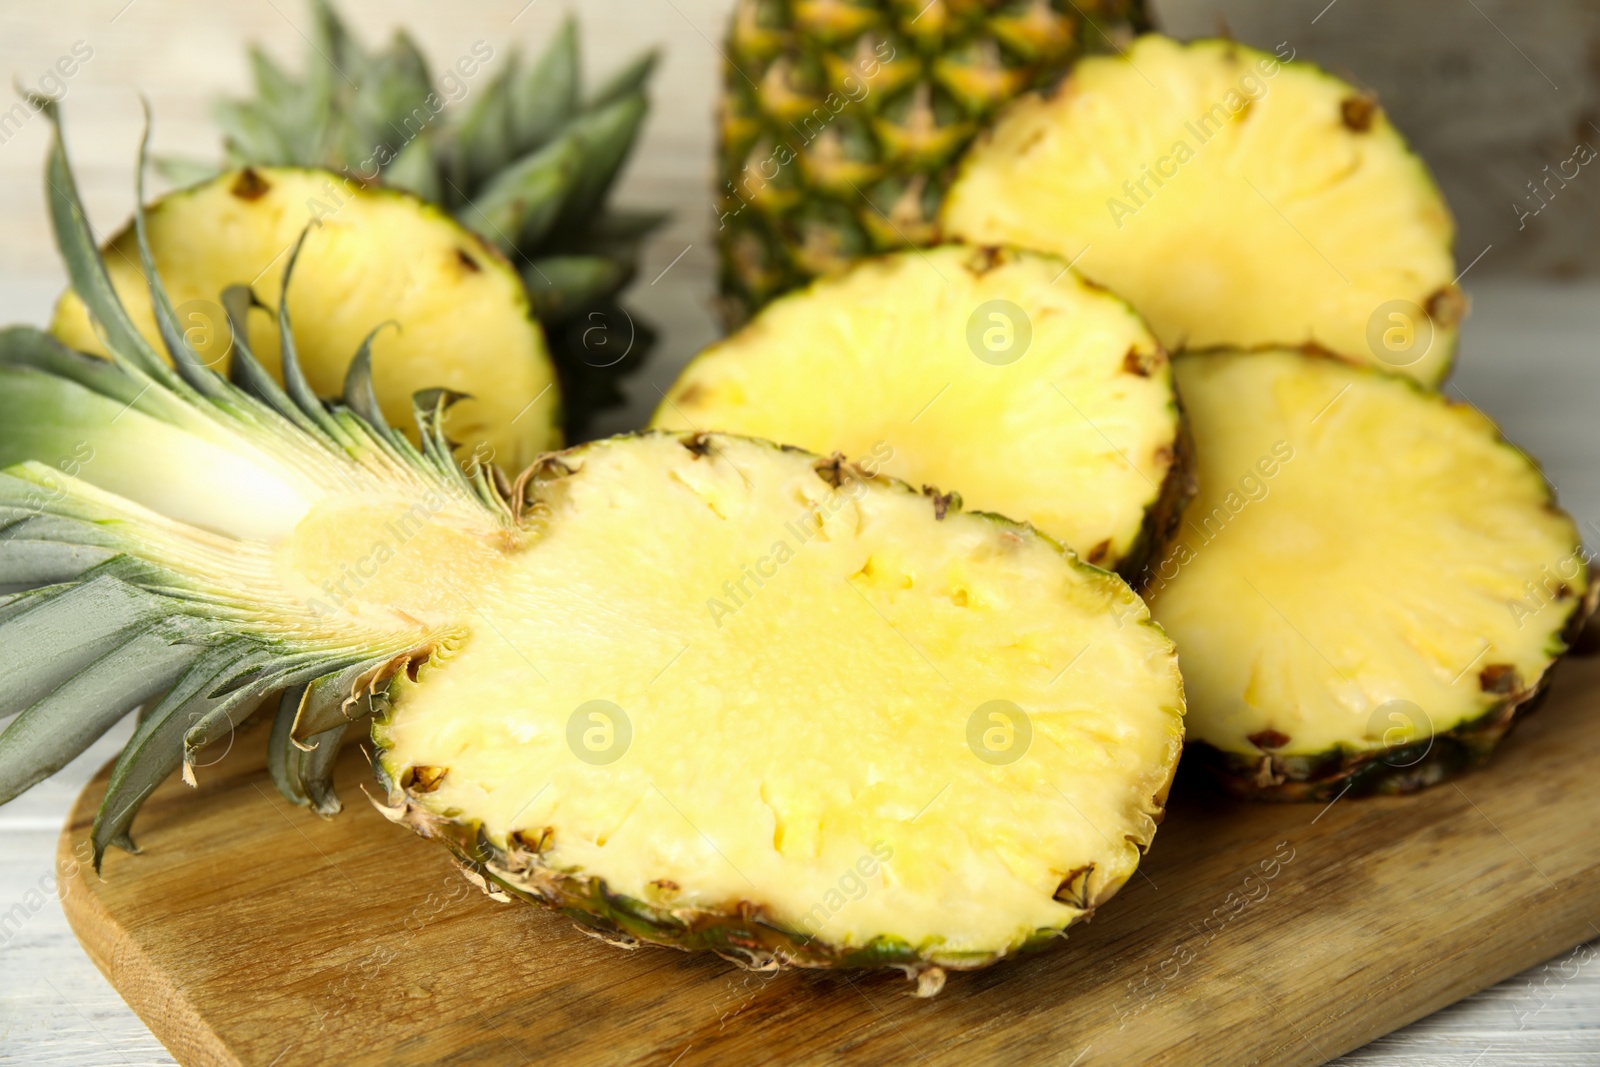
(158, 1002)
(1443, 994)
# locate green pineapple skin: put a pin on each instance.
(840, 121)
(1162, 520)
(1396, 771)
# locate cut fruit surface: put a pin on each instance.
(1370, 584)
(997, 374)
(375, 257)
(693, 689)
(1232, 198)
(937, 724)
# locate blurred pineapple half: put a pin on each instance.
(516, 150)
(840, 120)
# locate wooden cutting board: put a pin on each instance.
(250, 932)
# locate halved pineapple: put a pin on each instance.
(999, 374)
(812, 717)
(698, 690)
(1371, 585)
(375, 256)
(1232, 198)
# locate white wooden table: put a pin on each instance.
(1530, 357)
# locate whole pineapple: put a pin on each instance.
(840, 120)
(517, 151)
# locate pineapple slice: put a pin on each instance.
(998, 373)
(372, 256)
(698, 690)
(1232, 198)
(1371, 585)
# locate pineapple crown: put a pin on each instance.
(528, 164)
(155, 586)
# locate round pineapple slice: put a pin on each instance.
(798, 713)
(1000, 374)
(377, 256)
(1232, 198)
(1371, 585)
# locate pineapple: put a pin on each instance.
(1371, 586)
(1234, 198)
(695, 689)
(527, 162)
(457, 313)
(999, 373)
(840, 120)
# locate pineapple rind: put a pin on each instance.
(1400, 769)
(745, 936)
(837, 136)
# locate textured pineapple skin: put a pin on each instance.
(1395, 771)
(840, 120)
(744, 934)
(1161, 522)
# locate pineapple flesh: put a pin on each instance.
(865, 633)
(517, 148)
(996, 373)
(1233, 198)
(840, 120)
(1371, 585)
(699, 690)
(458, 316)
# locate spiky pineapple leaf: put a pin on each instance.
(135, 590)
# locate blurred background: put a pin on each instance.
(1498, 97)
